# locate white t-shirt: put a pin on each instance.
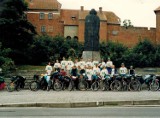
(109, 63)
(95, 62)
(122, 70)
(103, 73)
(89, 73)
(49, 69)
(57, 65)
(103, 64)
(82, 64)
(63, 64)
(70, 64)
(89, 63)
(112, 72)
(96, 70)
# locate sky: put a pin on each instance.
(139, 12)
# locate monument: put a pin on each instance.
(91, 44)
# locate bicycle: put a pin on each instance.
(17, 83)
(96, 83)
(154, 85)
(135, 84)
(83, 84)
(37, 84)
(105, 83)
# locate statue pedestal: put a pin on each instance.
(92, 55)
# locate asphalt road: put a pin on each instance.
(98, 112)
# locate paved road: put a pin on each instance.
(27, 96)
(102, 112)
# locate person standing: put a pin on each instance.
(49, 69)
(109, 64)
(57, 66)
(64, 63)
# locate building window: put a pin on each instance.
(50, 16)
(43, 28)
(50, 28)
(75, 38)
(41, 16)
(68, 37)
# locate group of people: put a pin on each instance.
(91, 69)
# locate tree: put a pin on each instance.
(127, 23)
(5, 62)
(16, 32)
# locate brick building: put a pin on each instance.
(48, 18)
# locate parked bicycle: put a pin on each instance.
(155, 84)
(38, 83)
(136, 83)
(83, 84)
(17, 83)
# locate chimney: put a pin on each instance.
(82, 8)
(100, 9)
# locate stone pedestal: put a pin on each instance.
(92, 55)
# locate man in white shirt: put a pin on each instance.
(109, 64)
(123, 70)
(69, 66)
(81, 64)
(103, 73)
(64, 63)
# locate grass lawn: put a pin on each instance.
(30, 67)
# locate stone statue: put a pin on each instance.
(92, 24)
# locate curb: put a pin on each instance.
(85, 104)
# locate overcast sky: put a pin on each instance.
(140, 12)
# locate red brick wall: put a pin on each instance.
(130, 36)
(158, 27)
(53, 26)
(102, 31)
(81, 30)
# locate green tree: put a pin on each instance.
(127, 23)
(6, 63)
(15, 31)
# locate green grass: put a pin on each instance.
(30, 67)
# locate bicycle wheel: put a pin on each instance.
(105, 86)
(57, 86)
(83, 86)
(95, 86)
(124, 86)
(34, 86)
(154, 86)
(116, 85)
(71, 86)
(134, 86)
(10, 87)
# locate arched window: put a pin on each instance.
(75, 38)
(68, 37)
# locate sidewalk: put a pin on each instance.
(27, 98)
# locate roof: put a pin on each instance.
(43, 4)
(110, 17)
(158, 9)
